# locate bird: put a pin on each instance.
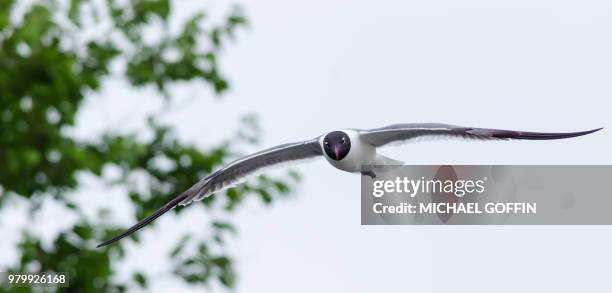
(348, 150)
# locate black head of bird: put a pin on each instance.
(337, 145)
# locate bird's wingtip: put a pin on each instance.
(581, 133)
(592, 130)
(105, 243)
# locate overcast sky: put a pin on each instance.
(307, 67)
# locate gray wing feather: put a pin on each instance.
(403, 132)
(237, 170)
(229, 175)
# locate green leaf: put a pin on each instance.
(6, 7)
(140, 278)
(180, 245)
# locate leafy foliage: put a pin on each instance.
(50, 60)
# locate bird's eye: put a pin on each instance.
(343, 140)
(326, 143)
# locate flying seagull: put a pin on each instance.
(346, 149)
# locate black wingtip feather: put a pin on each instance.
(547, 136)
(511, 134)
(168, 206)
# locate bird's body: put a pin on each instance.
(350, 150)
(359, 154)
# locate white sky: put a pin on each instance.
(313, 66)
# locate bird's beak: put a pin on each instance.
(337, 152)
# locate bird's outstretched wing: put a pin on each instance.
(406, 132)
(229, 175)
